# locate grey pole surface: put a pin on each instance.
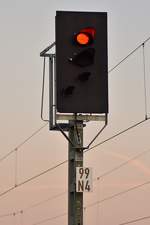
(75, 156)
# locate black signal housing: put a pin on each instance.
(81, 62)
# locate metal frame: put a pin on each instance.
(57, 120)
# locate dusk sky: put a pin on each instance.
(26, 28)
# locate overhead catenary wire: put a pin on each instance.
(100, 202)
(118, 134)
(16, 167)
(110, 70)
(123, 164)
(33, 205)
(64, 162)
(136, 220)
(50, 169)
(23, 142)
(101, 143)
(131, 53)
(45, 201)
(31, 178)
(119, 194)
(98, 178)
(12, 151)
(50, 219)
(97, 203)
(6, 215)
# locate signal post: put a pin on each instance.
(78, 92)
(75, 159)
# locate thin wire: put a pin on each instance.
(6, 215)
(21, 217)
(14, 219)
(46, 171)
(98, 213)
(8, 154)
(42, 173)
(51, 218)
(8, 190)
(97, 179)
(52, 168)
(113, 68)
(119, 194)
(32, 178)
(26, 140)
(136, 220)
(118, 134)
(22, 143)
(32, 135)
(145, 89)
(33, 205)
(131, 53)
(101, 201)
(123, 164)
(16, 167)
(44, 201)
(12, 214)
(106, 140)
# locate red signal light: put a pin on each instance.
(85, 36)
(82, 38)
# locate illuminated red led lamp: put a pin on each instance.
(85, 36)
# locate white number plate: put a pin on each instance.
(83, 179)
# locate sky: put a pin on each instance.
(26, 28)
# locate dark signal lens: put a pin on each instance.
(84, 58)
(68, 91)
